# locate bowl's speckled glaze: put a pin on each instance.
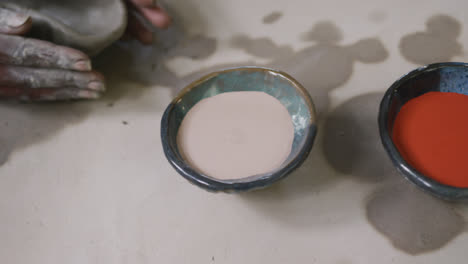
(443, 77)
(275, 83)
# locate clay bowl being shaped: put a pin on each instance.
(275, 83)
(443, 77)
(87, 25)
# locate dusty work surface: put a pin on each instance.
(88, 182)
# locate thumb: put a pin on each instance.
(14, 23)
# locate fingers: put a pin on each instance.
(61, 94)
(152, 12)
(35, 70)
(38, 53)
(157, 16)
(47, 94)
(33, 84)
(14, 23)
(35, 78)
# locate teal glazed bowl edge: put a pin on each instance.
(275, 83)
(441, 77)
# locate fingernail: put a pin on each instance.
(16, 20)
(88, 94)
(96, 86)
(82, 65)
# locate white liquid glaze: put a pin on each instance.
(236, 135)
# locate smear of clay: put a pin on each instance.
(377, 16)
(324, 31)
(319, 67)
(195, 47)
(261, 47)
(368, 50)
(352, 143)
(437, 44)
(413, 221)
(272, 17)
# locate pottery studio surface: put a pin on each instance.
(88, 182)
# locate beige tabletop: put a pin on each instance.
(88, 182)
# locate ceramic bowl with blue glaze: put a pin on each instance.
(275, 83)
(441, 77)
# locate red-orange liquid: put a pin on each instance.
(431, 133)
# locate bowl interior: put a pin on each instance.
(450, 78)
(442, 77)
(290, 93)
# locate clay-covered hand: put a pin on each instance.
(152, 12)
(37, 70)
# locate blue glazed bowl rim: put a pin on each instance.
(245, 184)
(429, 185)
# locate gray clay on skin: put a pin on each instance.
(87, 25)
(22, 125)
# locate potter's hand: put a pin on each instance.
(36, 70)
(153, 13)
